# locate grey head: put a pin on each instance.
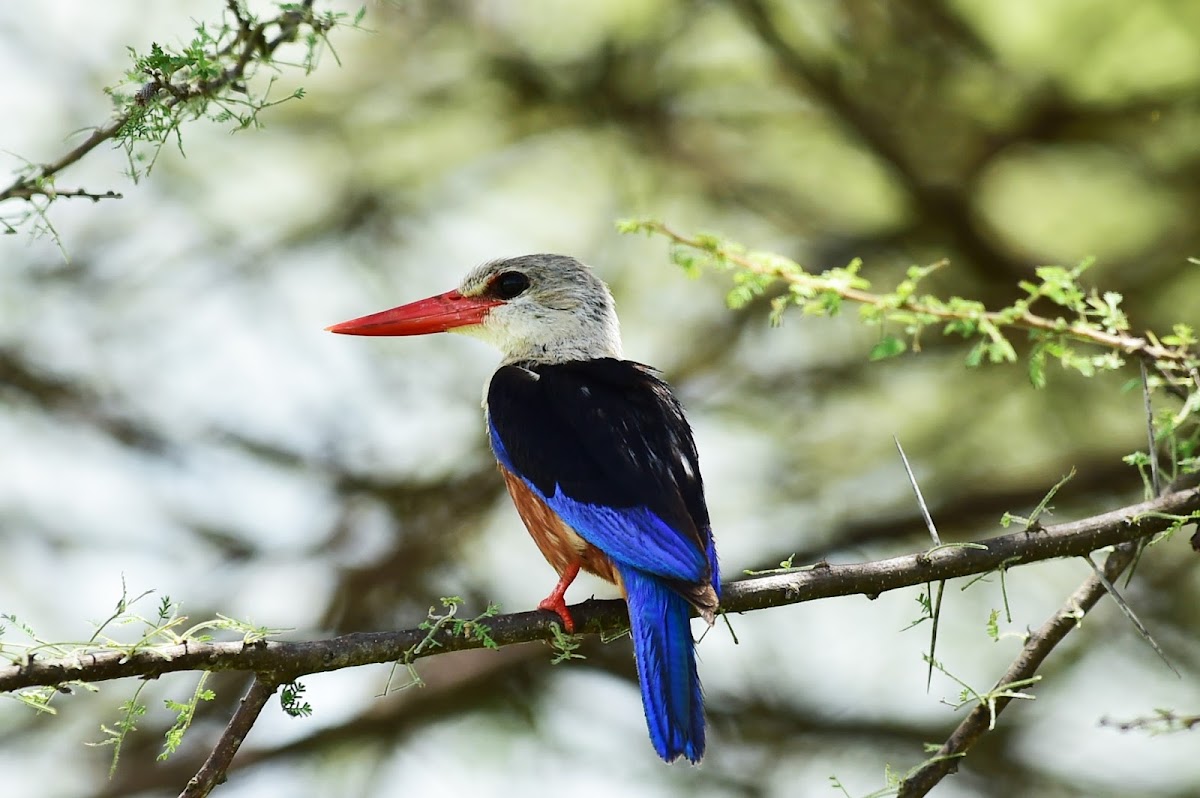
(552, 309)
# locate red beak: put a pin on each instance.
(436, 314)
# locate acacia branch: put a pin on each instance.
(213, 771)
(279, 661)
(254, 46)
(773, 267)
(30, 191)
(1037, 647)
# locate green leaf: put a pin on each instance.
(1182, 335)
(1037, 366)
(888, 346)
(185, 712)
(630, 226)
(975, 356)
(290, 699)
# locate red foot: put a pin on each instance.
(555, 602)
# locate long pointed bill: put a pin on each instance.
(436, 314)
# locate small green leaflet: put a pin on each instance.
(888, 346)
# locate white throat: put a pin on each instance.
(568, 339)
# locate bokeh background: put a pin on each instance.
(172, 414)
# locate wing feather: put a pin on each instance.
(606, 445)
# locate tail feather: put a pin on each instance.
(666, 663)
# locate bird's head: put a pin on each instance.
(541, 308)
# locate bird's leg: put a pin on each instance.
(555, 601)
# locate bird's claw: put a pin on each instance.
(556, 603)
(558, 606)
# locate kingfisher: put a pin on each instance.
(598, 459)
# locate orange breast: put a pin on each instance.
(559, 543)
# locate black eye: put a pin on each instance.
(509, 285)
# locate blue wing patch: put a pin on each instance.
(633, 536)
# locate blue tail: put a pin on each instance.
(666, 663)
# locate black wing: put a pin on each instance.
(606, 444)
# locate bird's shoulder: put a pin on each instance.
(623, 393)
(603, 430)
(605, 369)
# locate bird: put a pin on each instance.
(598, 459)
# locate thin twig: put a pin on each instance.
(1155, 487)
(213, 771)
(1163, 721)
(1129, 344)
(56, 193)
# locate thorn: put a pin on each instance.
(729, 626)
(1128, 612)
(912, 480)
(1155, 479)
(935, 614)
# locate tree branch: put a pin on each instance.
(284, 661)
(213, 771)
(1037, 647)
(1149, 349)
(254, 46)
(30, 191)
